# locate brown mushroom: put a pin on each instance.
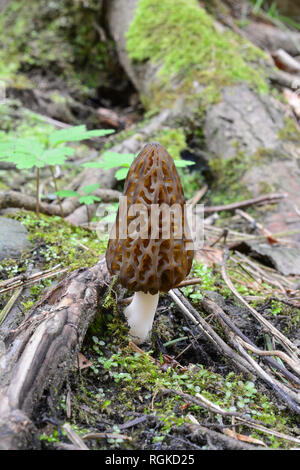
(150, 247)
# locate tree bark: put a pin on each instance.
(43, 348)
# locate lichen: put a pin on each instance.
(183, 40)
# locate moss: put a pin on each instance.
(56, 36)
(56, 243)
(183, 40)
(61, 243)
(228, 186)
(132, 382)
(172, 139)
(290, 132)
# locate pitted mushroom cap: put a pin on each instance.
(144, 263)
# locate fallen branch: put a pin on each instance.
(248, 202)
(23, 201)
(285, 79)
(9, 305)
(285, 61)
(240, 359)
(212, 308)
(42, 349)
(74, 438)
(203, 402)
(223, 348)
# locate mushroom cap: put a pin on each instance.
(152, 262)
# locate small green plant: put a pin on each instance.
(28, 153)
(54, 437)
(207, 281)
(124, 160)
(276, 307)
(86, 198)
(273, 13)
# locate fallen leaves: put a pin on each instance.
(243, 437)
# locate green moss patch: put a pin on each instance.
(56, 36)
(59, 242)
(122, 384)
(183, 40)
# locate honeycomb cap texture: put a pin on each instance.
(147, 261)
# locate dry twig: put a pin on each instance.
(286, 343)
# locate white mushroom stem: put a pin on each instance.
(140, 315)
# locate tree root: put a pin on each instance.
(20, 200)
(43, 348)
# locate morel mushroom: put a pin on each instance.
(153, 252)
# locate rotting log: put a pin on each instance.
(43, 348)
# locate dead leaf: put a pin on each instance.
(209, 256)
(272, 240)
(242, 437)
(169, 361)
(83, 362)
(185, 406)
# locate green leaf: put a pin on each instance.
(89, 188)
(56, 156)
(112, 160)
(121, 173)
(76, 133)
(27, 153)
(99, 133)
(183, 163)
(24, 153)
(66, 135)
(67, 193)
(87, 200)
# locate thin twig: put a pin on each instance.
(293, 365)
(267, 378)
(74, 438)
(286, 343)
(248, 202)
(34, 278)
(106, 435)
(9, 305)
(209, 332)
(198, 196)
(211, 307)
